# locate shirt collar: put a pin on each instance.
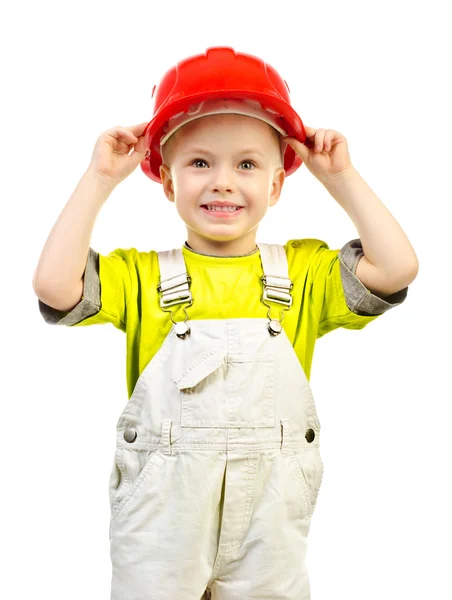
(220, 256)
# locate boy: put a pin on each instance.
(217, 465)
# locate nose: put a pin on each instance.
(222, 188)
(222, 180)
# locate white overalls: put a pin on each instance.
(217, 465)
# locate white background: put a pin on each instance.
(377, 72)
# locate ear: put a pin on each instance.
(277, 185)
(167, 182)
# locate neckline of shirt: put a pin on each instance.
(216, 256)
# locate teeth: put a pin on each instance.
(223, 208)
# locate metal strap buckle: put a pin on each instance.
(180, 279)
(180, 294)
(273, 289)
(178, 298)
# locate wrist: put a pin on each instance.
(100, 180)
(347, 174)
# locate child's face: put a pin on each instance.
(205, 161)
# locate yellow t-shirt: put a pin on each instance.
(121, 288)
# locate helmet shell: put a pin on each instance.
(220, 72)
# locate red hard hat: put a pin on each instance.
(220, 73)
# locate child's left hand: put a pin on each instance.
(327, 161)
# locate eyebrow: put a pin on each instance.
(204, 151)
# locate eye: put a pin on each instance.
(250, 162)
(198, 160)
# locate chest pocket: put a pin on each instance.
(221, 389)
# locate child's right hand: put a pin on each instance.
(111, 160)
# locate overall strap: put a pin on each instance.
(174, 279)
(277, 284)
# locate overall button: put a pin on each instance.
(310, 435)
(275, 327)
(182, 329)
(130, 434)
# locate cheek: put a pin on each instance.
(184, 184)
(257, 189)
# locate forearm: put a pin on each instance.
(63, 258)
(385, 245)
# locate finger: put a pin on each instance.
(310, 132)
(138, 129)
(128, 135)
(300, 148)
(122, 134)
(319, 139)
(337, 137)
(329, 136)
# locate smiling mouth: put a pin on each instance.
(223, 211)
(226, 207)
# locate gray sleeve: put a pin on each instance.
(89, 304)
(359, 299)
